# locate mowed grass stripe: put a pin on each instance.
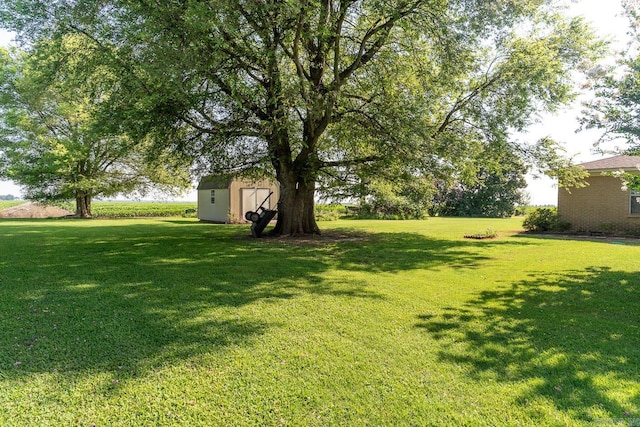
(174, 322)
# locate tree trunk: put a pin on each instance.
(83, 205)
(296, 213)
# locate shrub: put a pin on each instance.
(541, 219)
(328, 212)
(562, 226)
(395, 208)
(607, 228)
(327, 216)
(489, 234)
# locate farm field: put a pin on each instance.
(10, 203)
(169, 321)
(116, 209)
(125, 209)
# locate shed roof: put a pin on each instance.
(613, 164)
(214, 182)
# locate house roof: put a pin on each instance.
(629, 163)
(214, 182)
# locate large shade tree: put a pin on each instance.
(52, 143)
(304, 88)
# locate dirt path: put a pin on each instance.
(33, 210)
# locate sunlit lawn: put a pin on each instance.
(174, 322)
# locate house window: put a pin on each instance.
(634, 203)
(213, 197)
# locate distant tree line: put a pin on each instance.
(496, 188)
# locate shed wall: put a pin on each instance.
(215, 212)
(229, 206)
(237, 210)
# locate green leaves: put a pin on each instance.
(494, 190)
(423, 87)
(54, 141)
(614, 109)
(553, 164)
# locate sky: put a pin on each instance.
(607, 20)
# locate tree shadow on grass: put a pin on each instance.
(395, 252)
(574, 336)
(125, 298)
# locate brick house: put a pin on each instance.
(603, 205)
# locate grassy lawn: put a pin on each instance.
(174, 322)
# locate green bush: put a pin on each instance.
(395, 208)
(329, 212)
(541, 219)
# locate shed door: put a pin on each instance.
(252, 197)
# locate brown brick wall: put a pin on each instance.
(600, 206)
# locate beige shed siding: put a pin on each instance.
(600, 206)
(216, 212)
(236, 191)
(228, 205)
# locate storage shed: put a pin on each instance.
(224, 199)
(604, 205)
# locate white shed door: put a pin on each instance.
(252, 197)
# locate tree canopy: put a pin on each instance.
(496, 191)
(51, 141)
(305, 89)
(615, 108)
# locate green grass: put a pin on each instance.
(4, 204)
(174, 322)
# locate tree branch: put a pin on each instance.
(248, 102)
(351, 162)
(464, 101)
(382, 30)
